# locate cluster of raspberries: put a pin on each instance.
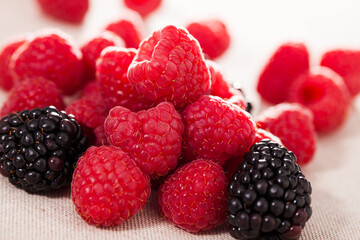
(158, 111)
(326, 89)
(74, 11)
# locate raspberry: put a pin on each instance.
(39, 148)
(216, 129)
(92, 90)
(346, 64)
(72, 11)
(52, 55)
(288, 61)
(263, 134)
(269, 196)
(32, 93)
(322, 91)
(6, 80)
(108, 188)
(212, 35)
(152, 137)
(220, 88)
(130, 28)
(293, 124)
(92, 49)
(170, 66)
(143, 7)
(194, 197)
(112, 68)
(90, 115)
(232, 164)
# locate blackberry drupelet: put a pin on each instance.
(39, 148)
(269, 197)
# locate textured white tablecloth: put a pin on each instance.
(257, 28)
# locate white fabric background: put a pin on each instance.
(257, 28)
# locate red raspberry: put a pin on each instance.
(212, 35)
(288, 61)
(152, 137)
(170, 67)
(90, 114)
(92, 49)
(52, 55)
(92, 90)
(72, 11)
(216, 130)
(232, 164)
(194, 198)
(130, 28)
(220, 88)
(6, 80)
(143, 7)
(112, 68)
(32, 93)
(107, 187)
(322, 91)
(263, 134)
(293, 124)
(346, 64)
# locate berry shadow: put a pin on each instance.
(64, 192)
(329, 220)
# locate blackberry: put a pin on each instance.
(269, 197)
(39, 148)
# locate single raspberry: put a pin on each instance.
(92, 90)
(212, 35)
(288, 61)
(152, 137)
(194, 197)
(108, 188)
(91, 51)
(90, 115)
(32, 93)
(322, 91)
(6, 80)
(130, 28)
(216, 129)
(52, 55)
(112, 68)
(262, 134)
(72, 11)
(143, 7)
(269, 196)
(39, 148)
(232, 164)
(220, 88)
(346, 64)
(170, 66)
(293, 124)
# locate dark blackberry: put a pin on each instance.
(39, 148)
(269, 197)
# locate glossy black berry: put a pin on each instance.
(269, 197)
(39, 148)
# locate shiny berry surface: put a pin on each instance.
(39, 148)
(269, 196)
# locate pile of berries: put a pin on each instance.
(74, 11)
(159, 110)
